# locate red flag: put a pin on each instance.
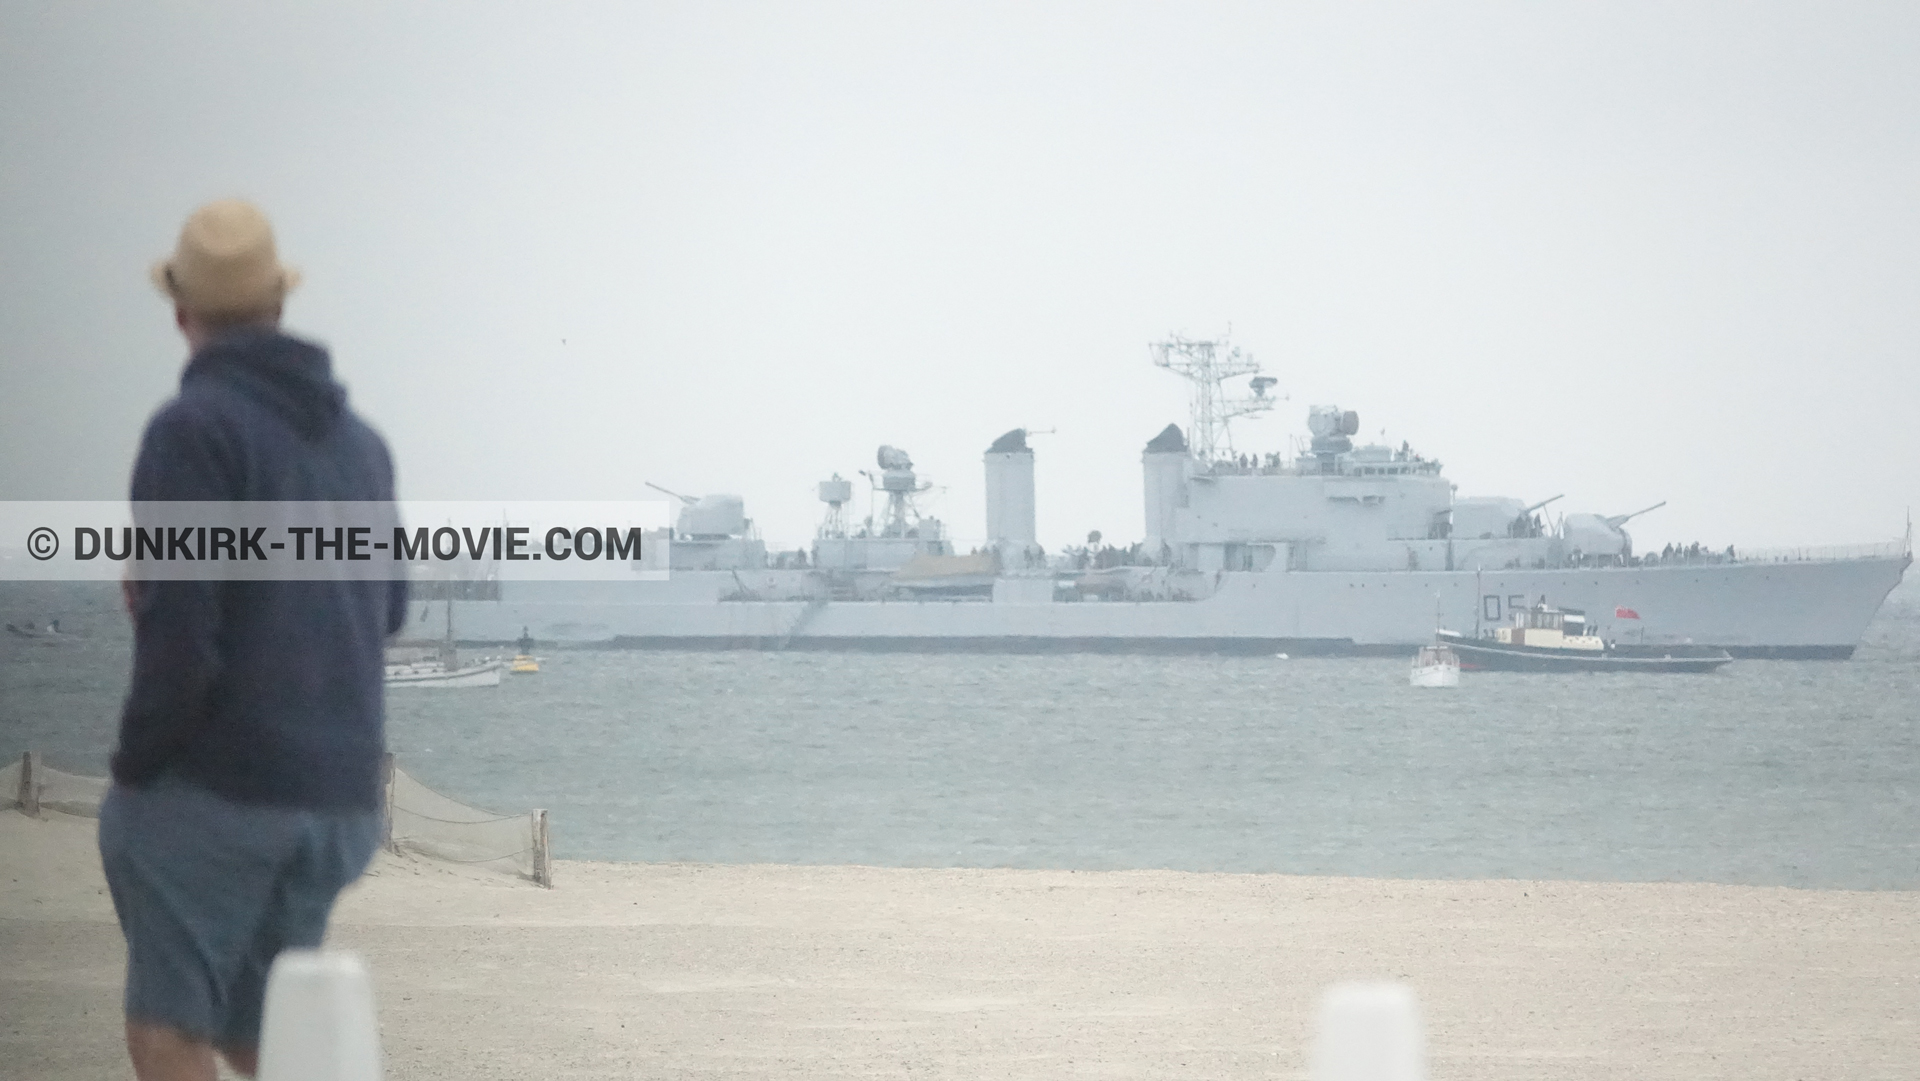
(1625, 613)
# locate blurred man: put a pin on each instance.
(247, 781)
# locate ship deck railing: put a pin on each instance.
(1893, 549)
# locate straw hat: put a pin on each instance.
(225, 263)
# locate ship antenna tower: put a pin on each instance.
(1206, 366)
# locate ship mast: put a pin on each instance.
(1206, 366)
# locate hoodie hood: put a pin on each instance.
(291, 377)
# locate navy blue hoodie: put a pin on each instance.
(265, 692)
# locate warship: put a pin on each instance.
(1336, 548)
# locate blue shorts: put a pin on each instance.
(209, 891)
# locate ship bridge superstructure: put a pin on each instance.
(1334, 507)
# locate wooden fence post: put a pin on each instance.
(30, 784)
(386, 808)
(542, 861)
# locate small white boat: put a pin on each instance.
(435, 674)
(1435, 666)
(444, 668)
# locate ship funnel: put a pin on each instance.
(1010, 503)
(1163, 468)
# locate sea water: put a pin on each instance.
(1797, 773)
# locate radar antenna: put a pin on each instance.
(836, 494)
(1206, 366)
(898, 480)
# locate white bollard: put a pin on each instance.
(1369, 1032)
(319, 1023)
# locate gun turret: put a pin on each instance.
(1618, 520)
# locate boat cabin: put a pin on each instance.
(1546, 627)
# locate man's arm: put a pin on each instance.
(175, 624)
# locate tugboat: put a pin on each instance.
(1548, 639)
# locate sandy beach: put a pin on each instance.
(772, 971)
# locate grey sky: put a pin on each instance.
(1625, 252)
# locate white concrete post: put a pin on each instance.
(1369, 1032)
(319, 1023)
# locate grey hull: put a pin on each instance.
(1799, 609)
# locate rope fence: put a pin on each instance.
(440, 827)
(33, 786)
(419, 820)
